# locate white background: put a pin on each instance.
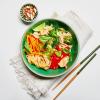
(87, 84)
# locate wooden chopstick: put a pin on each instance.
(77, 66)
(73, 78)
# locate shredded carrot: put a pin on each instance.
(34, 43)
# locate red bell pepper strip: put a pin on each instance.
(58, 48)
(55, 60)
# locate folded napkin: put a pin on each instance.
(37, 86)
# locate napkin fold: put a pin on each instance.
(35, 85)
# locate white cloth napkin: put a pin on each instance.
(35, 85)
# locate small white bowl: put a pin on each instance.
(22, 14)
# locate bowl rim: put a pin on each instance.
(23, 19)
(66, 71)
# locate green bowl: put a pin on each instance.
(60, 71)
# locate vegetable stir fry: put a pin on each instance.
(48, 47)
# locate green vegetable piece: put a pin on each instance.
(44, 38)
(49, 48)
(40, 27)
(50, 41)
(27, 46)
(49, 51)
(68, 40)
(53, 33)
(55, 42)
(58, 53)
(58, 33)
(47, 54)
(65, 50)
